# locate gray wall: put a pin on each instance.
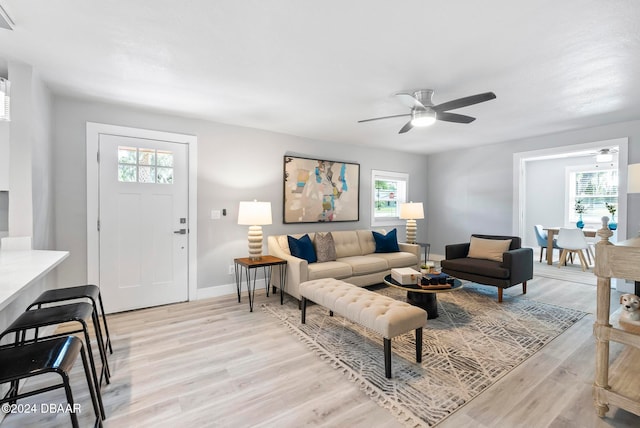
(234, 164)
(471, 190)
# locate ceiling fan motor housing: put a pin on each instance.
(424, 96)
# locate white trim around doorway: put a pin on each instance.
(93, 136)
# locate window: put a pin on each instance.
(593, 189)
(140, 165)
(389, 190)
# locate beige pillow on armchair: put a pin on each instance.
(489, 249)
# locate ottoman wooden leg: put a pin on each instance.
(387, 358)
(418, 345)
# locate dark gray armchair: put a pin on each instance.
(516, 266)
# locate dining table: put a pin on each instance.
(553, 231)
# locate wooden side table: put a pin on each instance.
(246, 266)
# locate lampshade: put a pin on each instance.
(5, 99)
(411, 211)
(633, 184)
(254, 213)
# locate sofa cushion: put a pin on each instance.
(482, 267)
(386, 243)
(363, 265)
(347, 244)
(490, 249)
(334, 269)
(399, 259)
(367, 243)
(302, 248)
(325, 247)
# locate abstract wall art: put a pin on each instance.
(319, 191)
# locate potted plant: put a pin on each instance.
(580, 209)
(613, 225)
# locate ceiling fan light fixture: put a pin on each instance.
(423, 118)
(604, 155)
(604, 158)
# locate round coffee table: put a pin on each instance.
(426, 299)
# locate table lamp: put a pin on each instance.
(411, 211)
(254, 214)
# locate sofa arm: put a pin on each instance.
(456, 251)
(413, 249)
(297, 269)
(520, 264)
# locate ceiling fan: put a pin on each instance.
(425, 113)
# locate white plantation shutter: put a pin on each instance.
(593, 188)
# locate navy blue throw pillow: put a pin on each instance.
(386, 243)
(302, 248)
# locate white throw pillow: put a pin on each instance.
(489, 249)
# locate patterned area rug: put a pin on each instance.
(473, 343)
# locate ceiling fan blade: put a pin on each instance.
(454, 117)
(410, 100)
(463, 102)
(406, 128)
(384, 117)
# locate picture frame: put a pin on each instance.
(320, 191)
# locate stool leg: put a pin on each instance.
(104, 321)
(95, 392)
(35, 335)
(101, 347)
(92, 363)
(67, 390)
(20, 336)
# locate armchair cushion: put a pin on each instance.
(481, 267)
(489, 249)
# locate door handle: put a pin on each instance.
(180, 232)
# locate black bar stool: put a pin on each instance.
(73, 312)
(90, 291)
(47, 356)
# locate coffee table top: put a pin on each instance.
(457, 284)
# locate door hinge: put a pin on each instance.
(98, 225)
(98, 157)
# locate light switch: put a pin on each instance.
(215, 214)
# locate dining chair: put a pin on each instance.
(572, 241)
(541, 237)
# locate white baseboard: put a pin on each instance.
(225, 290)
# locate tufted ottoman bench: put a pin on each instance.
(384, 315)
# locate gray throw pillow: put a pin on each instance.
(325, 247)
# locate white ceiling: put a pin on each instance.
(313, 69)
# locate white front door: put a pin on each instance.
(143, 222)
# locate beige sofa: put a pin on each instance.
(357, 262)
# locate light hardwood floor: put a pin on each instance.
(213, 363)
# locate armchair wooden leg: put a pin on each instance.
(524, 287)
(499, 295)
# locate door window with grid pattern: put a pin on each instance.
(140, 165)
